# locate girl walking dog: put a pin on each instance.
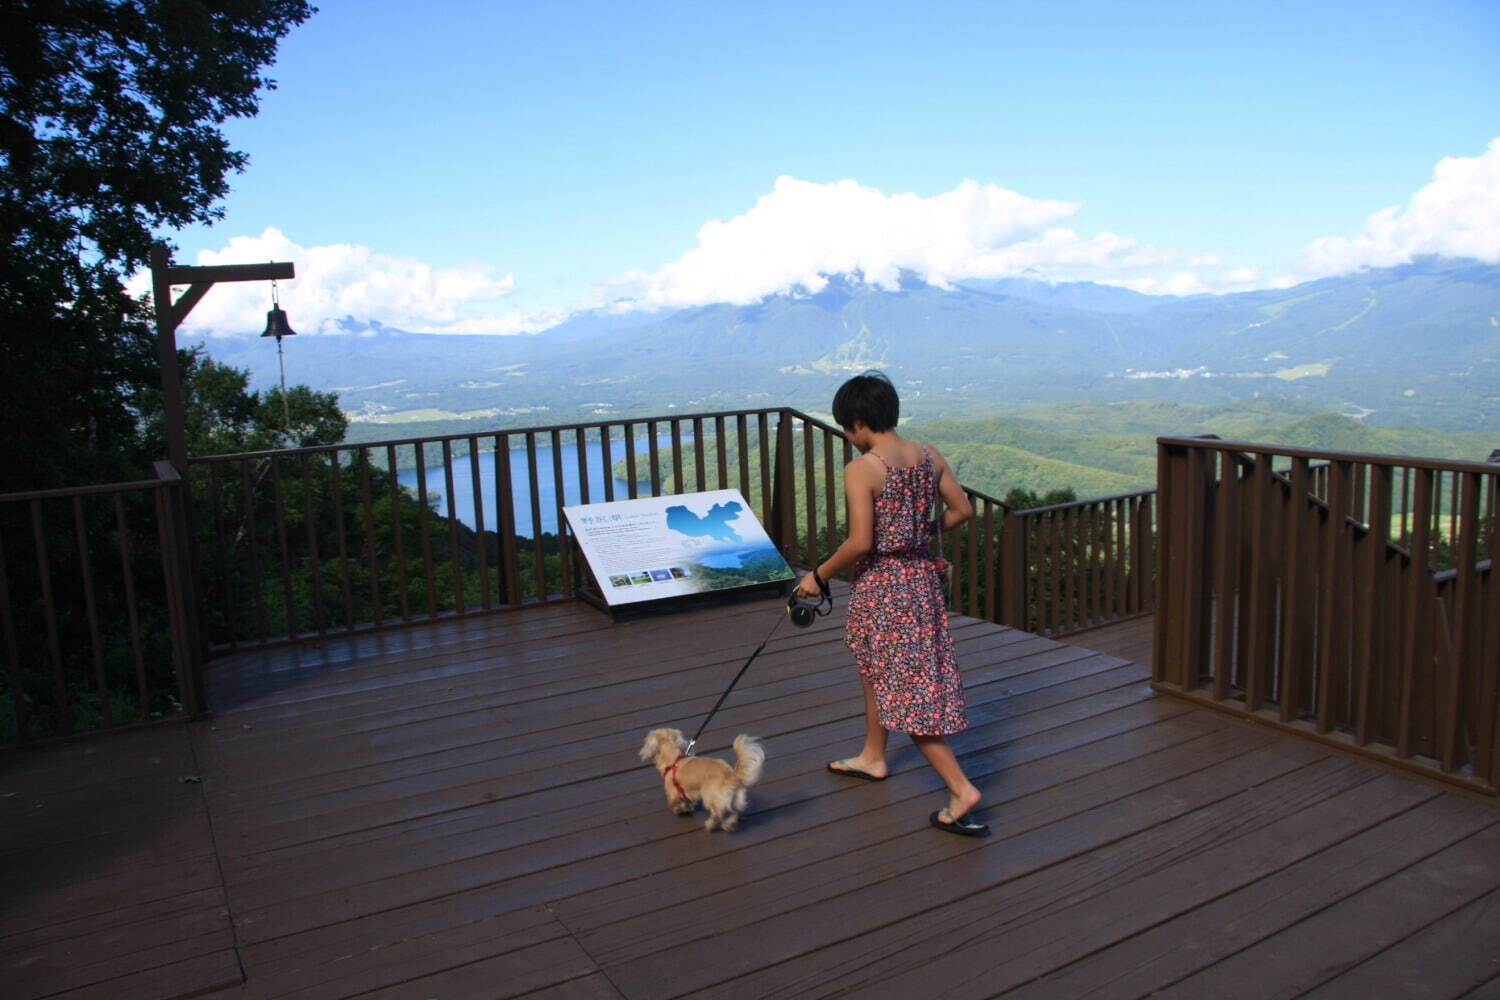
(897, 624)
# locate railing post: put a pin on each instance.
(1144, 588)
(1487, 643)
(1011, 573)
(1455, 706)
(1164, 657)
(1258, 617)
(181, 605)
(1487, 756)
(783, 526)
(1180, 639)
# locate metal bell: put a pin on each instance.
(276, 324)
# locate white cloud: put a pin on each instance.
(1457, 214)
(342, 282)
(803, 230)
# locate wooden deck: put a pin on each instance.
(458, 811)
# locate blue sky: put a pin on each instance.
(465, 166)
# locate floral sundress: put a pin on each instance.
(897, 625)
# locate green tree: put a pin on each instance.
(110, 130)
(1020, 498)
(224, 415)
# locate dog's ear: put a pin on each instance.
(648, 749)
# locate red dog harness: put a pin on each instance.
(671, 772)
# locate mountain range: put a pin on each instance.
(1413, 344)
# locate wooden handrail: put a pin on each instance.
(588, 425)
(1277, 606)
(93, 489)
(1053, 508)
(1365, 458)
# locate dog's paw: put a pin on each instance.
(730, 823)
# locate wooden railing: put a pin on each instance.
(352, 536)
(311, 541)
(1079, 565)
(110, 594)
(280, 546)
(1350, 602)
(95, 615)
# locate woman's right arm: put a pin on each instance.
(862, 482)
(957, 508)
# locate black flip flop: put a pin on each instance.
(852, 772)
(963, 826)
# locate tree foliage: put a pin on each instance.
(110, 130)
(1021, 498)
(223, 414)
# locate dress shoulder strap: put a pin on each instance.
(882, 460)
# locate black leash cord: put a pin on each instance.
(694, 741)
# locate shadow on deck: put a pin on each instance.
(457, 810)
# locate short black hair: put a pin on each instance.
(869, 399)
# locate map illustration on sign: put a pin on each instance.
(658, 547)
(714, 524)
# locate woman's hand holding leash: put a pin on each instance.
(811, 585)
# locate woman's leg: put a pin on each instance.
(962, 795)
(871, 759)
(874, 751)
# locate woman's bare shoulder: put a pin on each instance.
(865, 470)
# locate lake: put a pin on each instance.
(547, 494)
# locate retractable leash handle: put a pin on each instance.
(803, 612)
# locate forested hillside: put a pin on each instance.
(1103, 448)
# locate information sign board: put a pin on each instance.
(658, 547)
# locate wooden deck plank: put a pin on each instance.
(191, 977)
(602, 755)
(629, 787)
(442, 717)
(1133, 639)
(206, 959)
(1339, 938)
(513, 974)
(1485, 991)
(621, 760)
(318, 974)
(1175, 948)
(821, 674)
(646, 676)
(110, 883)
(1470, 937)
(495, 756)
(1020, 932)
(342, 693)
(696, 843)
(676, 845)
(1030, 766)
(520, 846)
(594, 987)
(819, 861)
(457, 809)
(919, 874)
(575, 650)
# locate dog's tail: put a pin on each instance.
(749, 758)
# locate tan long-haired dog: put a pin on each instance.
(689, 780)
